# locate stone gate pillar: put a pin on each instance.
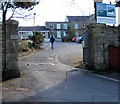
(100, 36)
(11, 51)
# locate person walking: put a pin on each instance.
(52, 39)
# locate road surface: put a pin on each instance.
(47, 78)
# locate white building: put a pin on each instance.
(25, 32)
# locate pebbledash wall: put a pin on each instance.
(10, 52)
(99, 37)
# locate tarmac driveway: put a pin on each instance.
(46, 79)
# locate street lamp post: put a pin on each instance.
(34, 23)
(96, 1)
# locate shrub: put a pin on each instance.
(23, 45)
(37, 39)
(66, 39)
(70, 34)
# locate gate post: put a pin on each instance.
(11, 51)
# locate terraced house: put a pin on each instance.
(78, 23)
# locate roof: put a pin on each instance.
(32, 28)
(117, 0)
(77, 18)
(56, 22)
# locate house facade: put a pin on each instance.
(25, 32)
(79, 23)
(58, 29)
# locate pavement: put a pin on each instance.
(51, 76)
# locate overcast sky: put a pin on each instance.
(57, 10)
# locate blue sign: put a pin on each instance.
(106, 13)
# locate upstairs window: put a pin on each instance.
(76, 25)
(51, 26)
(65, 26)
(58, 26)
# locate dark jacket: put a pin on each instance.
(52, 39)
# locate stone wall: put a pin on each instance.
(100, 37)
(11, 51)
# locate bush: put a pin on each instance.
(70, 34)
(37, 39)
(67, 39)
(23, 46)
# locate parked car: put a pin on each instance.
(74, 39)
(79, 39)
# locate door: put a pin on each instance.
(114, 57)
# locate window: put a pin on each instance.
(58, 26)
(58, 34)
(51, 26)
(64, 33)
(52, 32)
(76, 25)
(65, 26)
